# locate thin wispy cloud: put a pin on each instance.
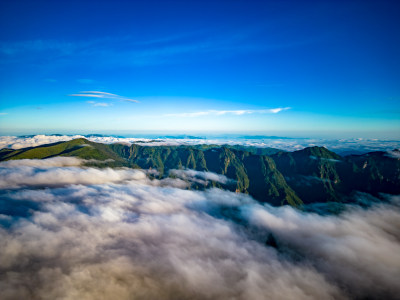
(100, 93)
(130, 100)
(86, 95)
(228, 112)
(103, 95)
(102, 104)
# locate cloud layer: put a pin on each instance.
(59, 172)
(14, 142)
(132, 237)
(342, 146)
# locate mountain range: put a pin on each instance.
(310, 175)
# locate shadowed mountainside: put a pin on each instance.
(319, 175)
(254, 174)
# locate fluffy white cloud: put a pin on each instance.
(360, 247)
(61, 171)
(32, 173)
(150, 240)
(43, 163)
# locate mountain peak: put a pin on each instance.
(320, 152)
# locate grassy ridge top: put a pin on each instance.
(81, 148)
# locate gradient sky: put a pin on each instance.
(297, 68)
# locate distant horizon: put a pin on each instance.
(342, 146)
(395, 135)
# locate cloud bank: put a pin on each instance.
(127, 237)
(43, 163)
(59, 172)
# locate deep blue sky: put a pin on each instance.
(276, 67)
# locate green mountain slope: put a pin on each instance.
(373, 172)
(254, 174)
(319, 175)
(81, 148)
(312, 172)
(311, 175)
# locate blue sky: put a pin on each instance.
(300, 68)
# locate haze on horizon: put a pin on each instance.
(292, 68)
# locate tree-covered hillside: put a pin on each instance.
(313, 174)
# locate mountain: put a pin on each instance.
(372, 172)
(81, 148)
(311, 175)
(312, 172)
(319, 175)
(254, 174)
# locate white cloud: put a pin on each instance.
(103, 95)
(61, 171)
(359, 247)
(49, 173)
(100, 93)
(59, 161)
(228, 112)
(43, 163)
(138, 239)
(86, 95)
(3, 113)
(199, 176)
(279, 109)
(394, 154)
(102, 104)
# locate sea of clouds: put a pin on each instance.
(340, 146)
(72, 232)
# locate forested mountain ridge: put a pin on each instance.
(254, 174)
(313, 174)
